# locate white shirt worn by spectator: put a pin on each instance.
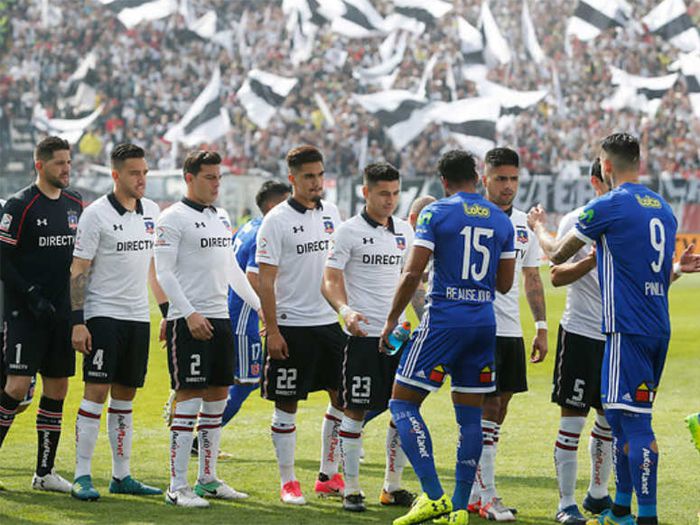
(583, 312)
(296, 240)
(371, 257)
(120, 245)
(527, 255)
(195, 263)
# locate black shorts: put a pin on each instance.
(368, 375)
(32, 347)
(119, 352)
(200, 364)
(577, 371)
(511, 371)
(32, 384)
(314, 363)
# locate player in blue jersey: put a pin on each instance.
(244, 320)
(634, 230)
(471, 242)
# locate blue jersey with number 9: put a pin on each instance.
(468, 236)
(635, 232)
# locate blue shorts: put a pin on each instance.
(632, 367)
(466, 354)
(248, 357)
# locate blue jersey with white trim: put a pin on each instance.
(243, 318)
(468, 236)
(635, 232)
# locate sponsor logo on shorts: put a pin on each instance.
(437, 374)
(487, 375)
(644, 394)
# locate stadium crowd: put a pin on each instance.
(148, 77)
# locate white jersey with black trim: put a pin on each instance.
(527, 255)
(120, 244)
(296, 240)
(194, 257)
(371, 257)
(584, 306)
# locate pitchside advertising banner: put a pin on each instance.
(558, 196)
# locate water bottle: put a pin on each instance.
(398, 338)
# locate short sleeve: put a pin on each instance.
(11, 222)
(340, 250)
(508, 245)
(87, 239)
(425, 229)
(268, 248)
(595, 219)
(168, 234)
(534, 254)
(251, 264)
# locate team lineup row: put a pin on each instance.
(300, 267)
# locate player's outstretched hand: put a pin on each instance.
(539, 347)
(200, 327)
(537, 215)
(689, 260)
(352, 323)
(81, 339)
(277, 346)
(384, 344)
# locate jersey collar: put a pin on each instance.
(196, 206)
(375, 224)
(298, 206)
(509, 211)
(121, 210)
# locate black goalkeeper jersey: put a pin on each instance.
(38, 235)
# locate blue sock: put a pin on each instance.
(416, 443)
(623, 475)
(468, 453)
(372, 414)
(644, 462)
(236, 395)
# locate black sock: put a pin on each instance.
(619, 510)
(322, 477)
(8, 409)
(48, 429)
(648, 520)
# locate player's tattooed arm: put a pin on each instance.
(418, 301)
(558, 250)
(80, 336)
(534, 292)
(567, 273)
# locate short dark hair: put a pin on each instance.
(379, 171)
(196, 159)
(303, 154)
(124, 151)
(458, 166)
(502, 157)
(595, 170)
(270, 189)
(623, 150)
(44, 150)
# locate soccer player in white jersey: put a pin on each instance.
(112, 262)
(195, 266)
(362, 271)
(577, 374)
(304, 345)
(501, 175)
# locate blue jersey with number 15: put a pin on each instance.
(468, 236)
(635, 232)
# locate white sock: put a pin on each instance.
(209, 437)
(565, 451)
(475, 494)
(181, 440)
(330, 458)
(600, 447)
(351, 443)
(488, 461)
(120, 430)
(396, 459)
(284, 438)
(87, 428)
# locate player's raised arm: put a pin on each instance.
(557, 250)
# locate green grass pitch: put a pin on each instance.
(525, 470)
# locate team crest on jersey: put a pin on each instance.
(476, 210)
(400, 242)
(226, 223)
(150, 225)
(644, 394)
(437, 374)
(6, 222)
(487, 375)
(72, 220)
(328, 225)
(521, 235)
